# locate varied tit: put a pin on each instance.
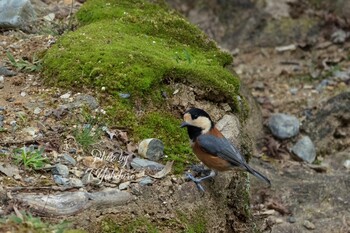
(212, 148)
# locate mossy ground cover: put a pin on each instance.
(137, 47)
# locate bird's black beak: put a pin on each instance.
(184, 124)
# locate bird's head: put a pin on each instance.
(198, 120)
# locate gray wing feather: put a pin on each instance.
(221, 147)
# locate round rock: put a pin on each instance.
(61, 170)
(305, 149)
(283, 126)
(152, 149)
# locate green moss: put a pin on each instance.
(136, 225)
(137, 47)
(167, 128)
(194, 224)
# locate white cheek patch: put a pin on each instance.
(204, 123)
(187, 118)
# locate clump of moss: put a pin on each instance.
(137, 47)
(132, 46)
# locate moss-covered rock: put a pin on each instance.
(138, 47)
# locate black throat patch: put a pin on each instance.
(194, 132)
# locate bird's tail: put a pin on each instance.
(258, 174)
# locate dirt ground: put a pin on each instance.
(287, 80)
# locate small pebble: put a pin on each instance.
(291, 219)
(146, 181)
(69, 159)
(60, 169)
(151, 148)
(60, 180)
(309, 225)
(124, 185)
(37, 110)
(75, 182)
(305, 149)
(65, 96)
(347, 164)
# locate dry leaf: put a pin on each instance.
(165, 171)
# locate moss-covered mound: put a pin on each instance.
(137, 47)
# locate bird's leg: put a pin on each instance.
(197, 181)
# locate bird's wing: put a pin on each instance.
(221, 147)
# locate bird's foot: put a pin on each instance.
(197, 181)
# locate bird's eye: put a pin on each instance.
(195, 116)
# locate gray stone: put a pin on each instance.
(124, 185)
(60, 180)
(7, 73)
(88, 178)
(146, 181)
(230, 127)
(283, 126)
(305, 149)
(346, 164)
(16, 14)
(88, 100)
(291, 219)
(60, 169)
(152, 149)
(2, 120)
(37, 110)
(138, 163)
(69, 159)
(75, 182)
(2, 108)
(82, 100)
(309, 225)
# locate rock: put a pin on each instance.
(9, 170)
(138, 163)
(124, 185)
(146, 181)
(2, 120)
(5, 72)
(283, 126)
(68, 203)
(339, 36)
(32, 131)
(152, 149)
(16, 14)
(124, 95)
(328, 125)
(291, 219)
(309, 225)
(229, 126)
(347, 164)
(65, 96)
(61, 170)
(88, 100)
(1, 81)
(75, 182)
(88, 178)
(60, 180)
(305, 149)
(37, 110)
(82, 100)
(67, 159)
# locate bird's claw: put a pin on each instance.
(196, 181)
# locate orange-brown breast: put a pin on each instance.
(209, 160)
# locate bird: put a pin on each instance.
(212, 148)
